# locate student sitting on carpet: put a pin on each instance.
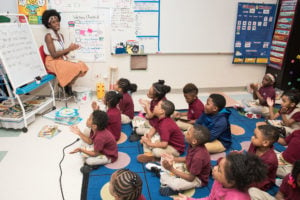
(232, 177)
(126, 185)
(126, 105)
(185, 120)
(169, 138)
(290, 155)
(289, 112)
(216, 119)
(156, 93)
(100, 147)
(260, 95)
(289, 188)
(262, 145)
(187, 172)
(111, 100)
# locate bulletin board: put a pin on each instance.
(176, 26)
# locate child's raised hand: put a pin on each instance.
(270, 102)
(143, 102)
(75, 130)
(180, 197)
(95, 105)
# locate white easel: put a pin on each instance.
(24, 68)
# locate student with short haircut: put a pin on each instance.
(196, 163)
(216, 119)
(262, 145)
(100, 147)
(185, 120)
(169, 138)
(126, 185)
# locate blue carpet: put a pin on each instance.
(98, 178)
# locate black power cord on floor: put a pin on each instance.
(60, 176)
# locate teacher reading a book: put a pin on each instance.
(56, 60)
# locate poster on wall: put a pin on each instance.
(32, 9)
(89, 31)
(79, 5)
(253, 33)
(282, 33)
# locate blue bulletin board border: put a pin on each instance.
(253, 33)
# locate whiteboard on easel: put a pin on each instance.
(19, 54)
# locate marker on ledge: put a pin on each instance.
(38, 79)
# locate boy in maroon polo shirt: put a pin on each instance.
(170, 140)
(185, 120)
(100, 147)
(196, 164)
(288, 157)
(262, 145)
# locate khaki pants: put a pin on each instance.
(176, 183)
(215, 147)
(97, 160)
(257, 194)
(157, 152)
(183, 125)
(142, 125)
(125, 119)
(284, 167)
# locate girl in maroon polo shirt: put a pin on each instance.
(156, 93)
(126, 105)
(111, 100)
(260, 95)
(289, 112)
(126, 184)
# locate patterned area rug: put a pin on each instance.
(96, 186)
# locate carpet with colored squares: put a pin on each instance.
(95, 185)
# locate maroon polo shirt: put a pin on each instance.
(198, 162)
(269, 158)
(295, 116)
(114, 122)
(195, 110)
(288, 191)
(126, 105)
(266, 92)
(170, 132)
(291, 154)
(154, 120)
(105, 143)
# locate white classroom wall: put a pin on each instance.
(205, 70)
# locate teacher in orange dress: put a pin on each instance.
(56, 60)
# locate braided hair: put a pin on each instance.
(127, 185)
(126, 86)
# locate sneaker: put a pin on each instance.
(156, 169)
(145, 158)
(149, 166)
(167, 191)
(134, 136)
